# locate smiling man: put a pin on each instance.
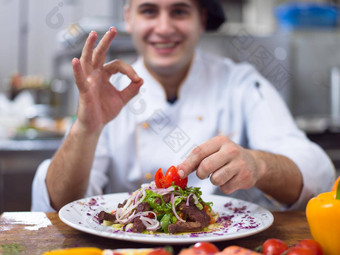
(222, 123)
(166, 33)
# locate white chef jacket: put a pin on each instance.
(218, 97)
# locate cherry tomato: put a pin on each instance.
(159, 179)
(159, 251)
(300, 251)
(190, 251)
(171, 176)
(274, 246)
(312, 245)
(208, 248)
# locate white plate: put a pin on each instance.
(240, 219)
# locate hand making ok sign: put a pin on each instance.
(99, 101)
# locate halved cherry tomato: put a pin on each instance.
(159, 179)
(274, 246)
(310, 244)
(208, 248)
(171, 176)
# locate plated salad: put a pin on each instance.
(164, 205)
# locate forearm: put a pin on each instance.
(68, 175)
(280, 178)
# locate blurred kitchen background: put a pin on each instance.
(294, 44)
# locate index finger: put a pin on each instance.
(120, 66)
(102, 48)
(191, 163)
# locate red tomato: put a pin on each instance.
(300, 251)
(159, 179)
(171, 176)
(191, 251)
(208, 248)
(312, 245)
(274, 246)
(159, 251)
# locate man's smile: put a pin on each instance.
(164, 45)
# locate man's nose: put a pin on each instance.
(165, 24)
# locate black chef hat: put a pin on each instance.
(215, 14)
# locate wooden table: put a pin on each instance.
(35, 233)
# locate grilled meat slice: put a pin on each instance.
(106, 216)
(121, 205)
(143, 207)
(194, 214)
(196, 219)
(189, 226)
(138, 226)
(167, 198)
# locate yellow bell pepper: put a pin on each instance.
(323, 216)
(75, 251)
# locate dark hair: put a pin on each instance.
(215, 13)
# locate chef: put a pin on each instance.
(222, 124)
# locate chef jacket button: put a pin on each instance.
(200, 118)
(148, 176)
(145, 125)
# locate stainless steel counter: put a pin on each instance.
(9, 146)
(19, 160)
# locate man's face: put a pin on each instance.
(165, 32)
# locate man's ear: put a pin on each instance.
(127, 17)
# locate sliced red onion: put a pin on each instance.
(150, 224)
(127, 220)
(163, 191)
(196, 199)
(150, 185)
(133, 216)
(128, 227)
(188, 199)
(128, 208)
(141, 191)
(173, 199)
(135, 198)
(123, 211)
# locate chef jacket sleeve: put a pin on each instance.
(40, 198)
(97, 182)
(270, 127)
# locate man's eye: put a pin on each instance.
(148, 12)
(180, 12)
